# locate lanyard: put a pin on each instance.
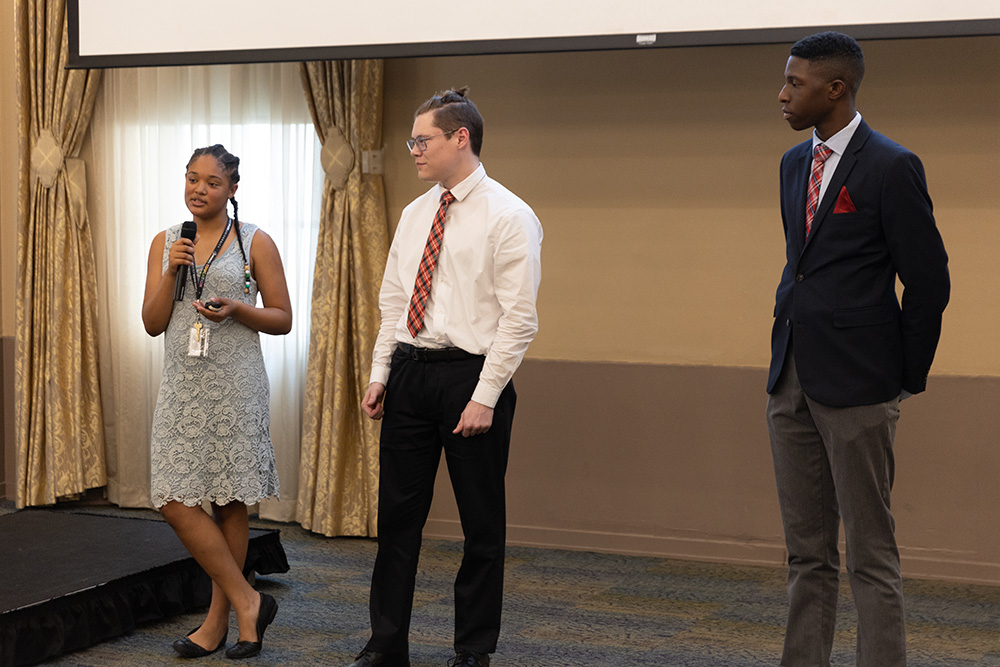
(199, 283)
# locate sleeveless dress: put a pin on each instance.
(211, 436)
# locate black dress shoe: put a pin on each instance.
(265, 614)
(470, 659)
(376, 659)
(188, 649)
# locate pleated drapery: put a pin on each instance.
(338, 478)
(58, 418)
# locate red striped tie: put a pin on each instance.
(422, 286)
(820, 153)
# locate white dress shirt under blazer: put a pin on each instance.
(838, 144)
(484, 287)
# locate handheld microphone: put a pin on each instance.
(188, 231)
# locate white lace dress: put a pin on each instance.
(211, 435)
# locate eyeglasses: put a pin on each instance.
(421, 142)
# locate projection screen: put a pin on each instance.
(132, 33)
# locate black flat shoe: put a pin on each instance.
(265, 614)
(376, 659)
(188, 649)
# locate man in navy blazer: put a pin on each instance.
(856, 215)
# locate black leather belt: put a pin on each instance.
(443, 354)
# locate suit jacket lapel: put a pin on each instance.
(844, 167)
(796, 193)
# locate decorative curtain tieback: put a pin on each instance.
(337, 157)
(46, 158)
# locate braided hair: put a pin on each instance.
(230, 165)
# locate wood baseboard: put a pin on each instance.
(702, 548)
(916, 563)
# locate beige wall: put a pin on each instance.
(8, 239)
(625, 156)
(640, 424)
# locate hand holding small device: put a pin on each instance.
(213, 309)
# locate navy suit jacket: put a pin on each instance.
(853, 343)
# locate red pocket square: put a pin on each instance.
(844, 203)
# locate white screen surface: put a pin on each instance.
(120, 31)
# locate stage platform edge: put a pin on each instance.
(73, 579)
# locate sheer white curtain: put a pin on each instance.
(146, 124)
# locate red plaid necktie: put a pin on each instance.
(422, 286)
(820, 153)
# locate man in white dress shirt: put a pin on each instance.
(458, 312)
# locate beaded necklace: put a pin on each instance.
(199, 283)
(246, 264)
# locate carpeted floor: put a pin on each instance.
(565, 608)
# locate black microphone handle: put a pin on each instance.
(188, 231)
(180, 282)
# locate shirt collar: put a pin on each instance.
(462, 190)
(838, 142)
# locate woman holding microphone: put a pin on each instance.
(211, 428)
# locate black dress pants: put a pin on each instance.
(424, 401)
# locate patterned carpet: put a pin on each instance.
(565, 608)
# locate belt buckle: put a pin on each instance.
(414, 353)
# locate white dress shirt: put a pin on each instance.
(484, 286)
(838, 144)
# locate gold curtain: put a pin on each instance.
(338, 475)
(58, 418)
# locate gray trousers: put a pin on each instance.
(832, 464)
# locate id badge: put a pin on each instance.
(198, 341)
